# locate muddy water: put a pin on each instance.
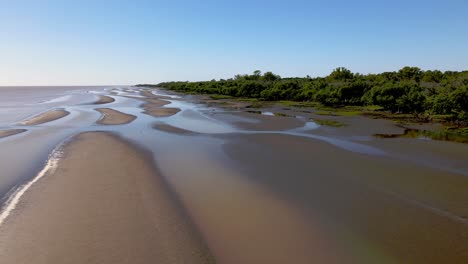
(252, 205)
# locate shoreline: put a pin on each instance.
(131, 218)
(436, 129)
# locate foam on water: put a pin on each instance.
(15, 197)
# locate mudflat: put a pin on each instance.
(260, 185)
(172, 129)
(104, 100)
(160, 111)
(156, 108)
(155, 105)
(11, 132)
(403, 212)
(113, 117)
(45, 117)
(105, 202)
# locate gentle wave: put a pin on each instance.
(57, 100)
(15, 197)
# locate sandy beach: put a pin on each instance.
(112, 208)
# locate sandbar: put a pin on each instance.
(114, 117)
(45, 117)
(105, 202)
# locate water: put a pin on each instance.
(242, 220)
(19, 103)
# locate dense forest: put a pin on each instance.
(409, 90)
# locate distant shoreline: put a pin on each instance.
(248, 91)
(410, 90)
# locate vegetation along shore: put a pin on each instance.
(407, 95)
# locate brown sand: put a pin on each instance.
(45, 117)
(114, 117)
(154, 107)
(156, 102)
(104, 100)
(160, 112)
(11, 132)
(173, 129)
(105, 203)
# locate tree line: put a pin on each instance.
(408, 90)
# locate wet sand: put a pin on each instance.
(265, 123)
(259, 189)
(112, 208)
(150, 96)
(383, 210)
(11, 132)
(172, 129)
(160, 112)
(104, 100)
(155, 105)
(45, 117)
(113, 117)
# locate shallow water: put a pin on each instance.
(243, 221)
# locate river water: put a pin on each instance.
(243, 219)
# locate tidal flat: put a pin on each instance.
(184, 179)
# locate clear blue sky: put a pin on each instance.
(127, 42)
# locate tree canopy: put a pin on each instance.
(408, 90)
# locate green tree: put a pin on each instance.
(410, 73)
(341, 74)
(270, 77)
(459, 99)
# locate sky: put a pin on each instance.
(128, 42)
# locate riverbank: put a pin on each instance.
(436, 127)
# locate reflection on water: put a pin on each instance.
(194, 118)
(442, 135)
(165, 94)
(243, 222)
